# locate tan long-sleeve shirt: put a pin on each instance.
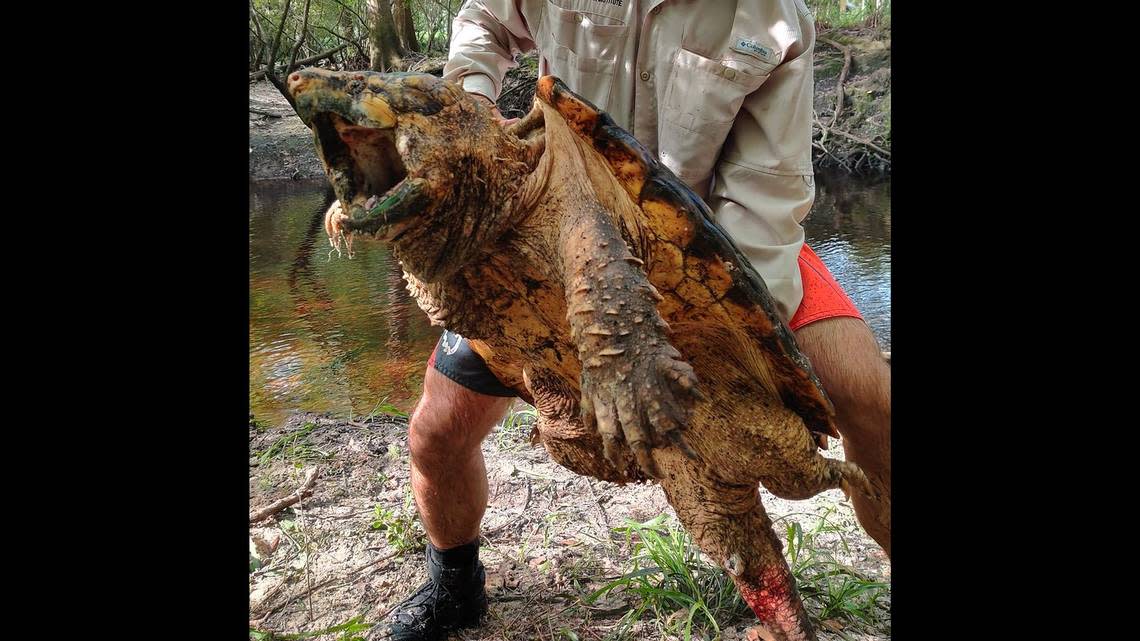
(720, 90)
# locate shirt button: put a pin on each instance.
(645, 75)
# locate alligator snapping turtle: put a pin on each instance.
(597, 286)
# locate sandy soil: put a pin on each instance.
(548, 537)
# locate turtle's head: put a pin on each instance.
(414, 161)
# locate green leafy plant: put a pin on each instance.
(401, 527)
(685, 593)
(862, 14)
(830, 589)
(384, 407)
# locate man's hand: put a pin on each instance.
(503, 122)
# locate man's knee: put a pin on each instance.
(450, 421)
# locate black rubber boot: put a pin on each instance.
(454, 597)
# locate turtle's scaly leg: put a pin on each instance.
(729, 524)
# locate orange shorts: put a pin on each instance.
(823, 297)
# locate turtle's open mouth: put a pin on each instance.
(366, 172)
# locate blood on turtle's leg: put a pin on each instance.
(729, 524)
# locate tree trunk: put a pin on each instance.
(431, 37)
(274, 49)
(383, 43)
(402, 13)
(344, 20)
(258, 36)
(450, 17)
(255, 62)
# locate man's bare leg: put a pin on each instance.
(850, 365)
(449, 481)
(449, 478)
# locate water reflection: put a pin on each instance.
(339, 336)
(850, 228)
(330, 336)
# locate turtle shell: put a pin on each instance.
(675, 214)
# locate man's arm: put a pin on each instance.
(764, 184)
(484, 37)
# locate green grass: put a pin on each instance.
(347, 631)
(830, 589)
(514, 432)
(293, 446)
(683, 594)
(384, 407)
(681, 591)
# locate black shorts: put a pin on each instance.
(455, 359)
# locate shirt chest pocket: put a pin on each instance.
(702, 100)
(582, 48)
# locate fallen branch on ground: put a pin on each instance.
(302, 492)
(840, 132)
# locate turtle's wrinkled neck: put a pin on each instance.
(472, 179)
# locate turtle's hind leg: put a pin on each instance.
(729, 524)
(830, 474)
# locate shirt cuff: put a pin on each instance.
(481, 84)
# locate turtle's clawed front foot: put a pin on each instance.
(641, 399)
(335, 223)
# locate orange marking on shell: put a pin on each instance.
(580, 116)
(546, 89)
